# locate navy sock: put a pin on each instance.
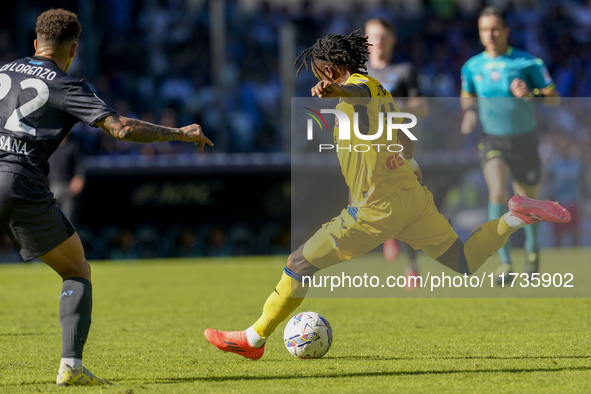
(75, 312)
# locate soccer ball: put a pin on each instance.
(308, 335)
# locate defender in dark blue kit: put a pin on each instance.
(39, 104)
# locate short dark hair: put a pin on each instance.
(338, 51)
(384, 23)
(57, 26)
(493, 11)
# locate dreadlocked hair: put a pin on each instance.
(338, 51)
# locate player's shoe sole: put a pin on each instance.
(536, 211)
(80, 376)
(233, 342)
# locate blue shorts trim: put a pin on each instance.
(292, 274)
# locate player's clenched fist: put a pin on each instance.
(326, 89)
(193, 133)
(469, 121)
(519, 88)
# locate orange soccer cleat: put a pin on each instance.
(535, 211)
(233, 342)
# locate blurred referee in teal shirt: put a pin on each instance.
(502, 77)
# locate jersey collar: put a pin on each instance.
(508, 52)
(43, 58)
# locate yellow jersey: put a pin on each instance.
(372, 168)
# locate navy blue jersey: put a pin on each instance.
(39, 105)
(400, 79)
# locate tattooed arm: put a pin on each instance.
(134, 130)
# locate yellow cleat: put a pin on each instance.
(80, 376)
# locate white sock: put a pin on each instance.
(513, 221)
(254, 339)
(72, 362)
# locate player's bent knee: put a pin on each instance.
(80, 269)
(297, 264)
(455, 259)
(67, 259)
(499, 196)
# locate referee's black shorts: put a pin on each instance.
(520, 152)
(29, 215)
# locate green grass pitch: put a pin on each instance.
(149, 317)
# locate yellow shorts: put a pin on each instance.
(408, 215)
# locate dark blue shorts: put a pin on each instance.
(519, 152)
(29, 215)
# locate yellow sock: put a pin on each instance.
(279, 305)
(486, 240)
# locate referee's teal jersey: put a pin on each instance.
(490, 78)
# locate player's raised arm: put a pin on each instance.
(135, 130)
(350, 93)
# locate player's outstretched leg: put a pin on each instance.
(488, 238)
(250, 343)
(67, 259)
(287, 296)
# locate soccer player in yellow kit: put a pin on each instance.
(387, 199)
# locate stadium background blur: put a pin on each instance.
(226, 65)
